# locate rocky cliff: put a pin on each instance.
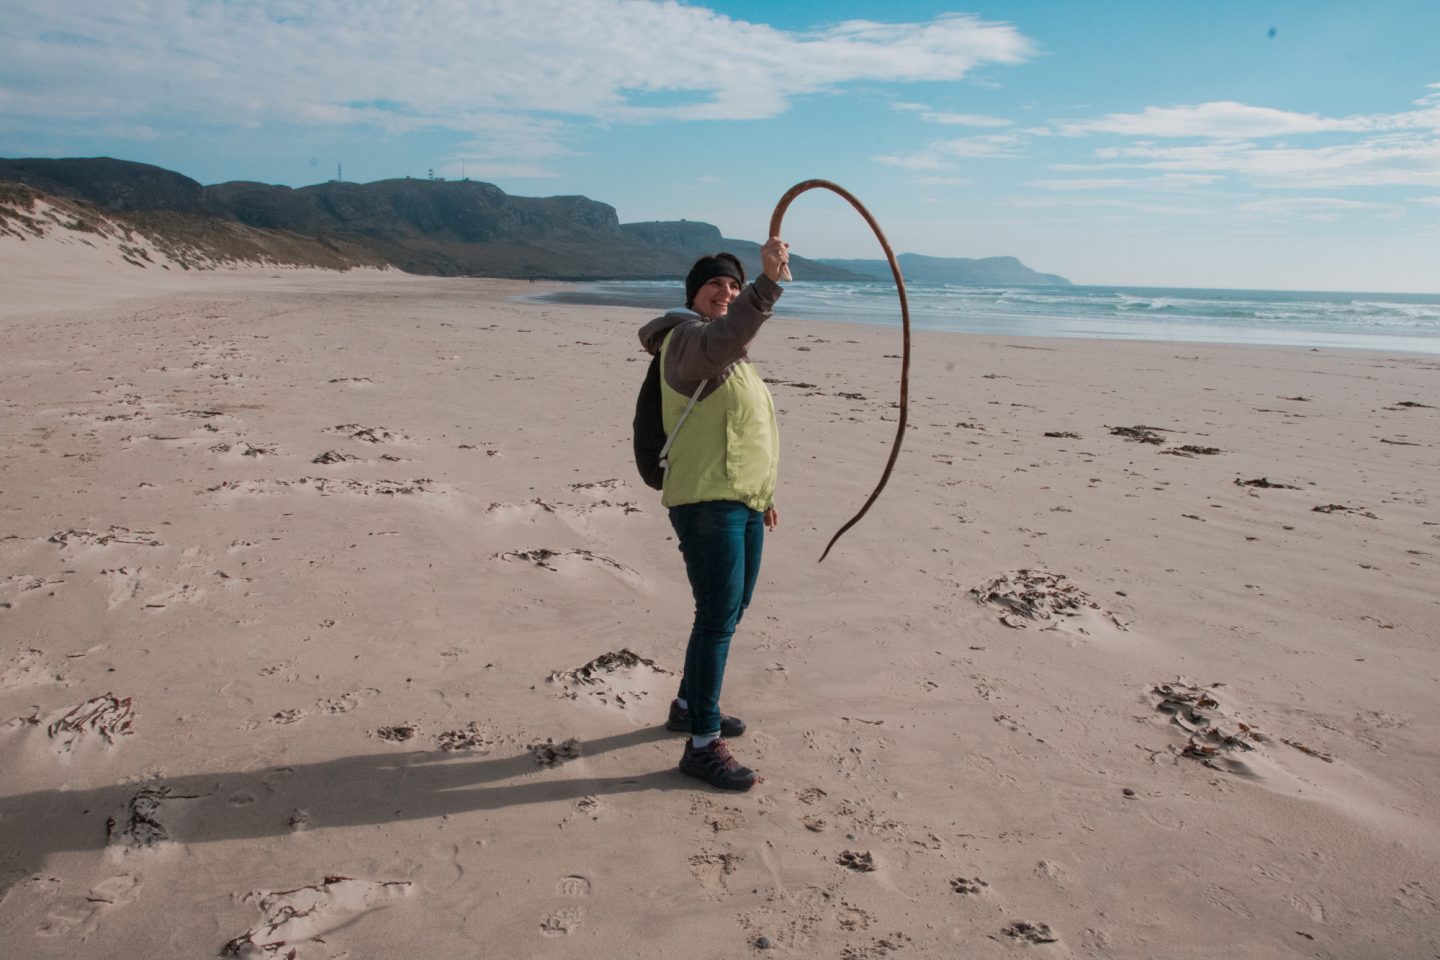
(447, 228)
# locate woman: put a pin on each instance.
(720, 482)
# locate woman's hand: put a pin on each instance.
(772, 518)
(775, 259)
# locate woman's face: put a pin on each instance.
(713, 299)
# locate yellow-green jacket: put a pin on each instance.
(728, 448)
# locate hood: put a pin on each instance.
(652, 335)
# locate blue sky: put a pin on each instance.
(1213, 144)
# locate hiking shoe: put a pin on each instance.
(716, 766)
(679, 721)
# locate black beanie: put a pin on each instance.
(707, 269)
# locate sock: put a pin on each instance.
(700, 743)
(683, 704)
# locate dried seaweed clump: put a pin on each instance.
(593, 671)
(108, 715)
(1028, 594)
(1210, 731)
(1139, 433)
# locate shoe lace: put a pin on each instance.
(719, 755)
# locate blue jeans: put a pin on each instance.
(721, 541)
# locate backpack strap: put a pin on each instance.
(665, 450)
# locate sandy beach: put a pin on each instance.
(335, 622)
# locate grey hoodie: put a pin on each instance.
(707, 349)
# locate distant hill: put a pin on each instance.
(990, 271)
(437, 227)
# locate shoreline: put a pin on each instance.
(360, 556)
(829, 303)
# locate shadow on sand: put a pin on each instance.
(344, 792)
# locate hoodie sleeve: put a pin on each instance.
(703, 351)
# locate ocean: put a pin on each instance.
(1371, 321)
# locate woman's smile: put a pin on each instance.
(713, 299)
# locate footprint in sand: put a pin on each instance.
(242, 692)
(81, 916)
(311, 913)
(860, 862)
(852, 918)
(23, 586)
(562, 922)
(28, 669)
(346, 701)
(1309, 906)
(473, 736)
(444, 870)
(397, 733)
(573, 886)
(172, 592)
(794, 925)
(969, 886)
(120, 888)
(124, 584)
(1027, 932)
(711, 869)
(277, 778)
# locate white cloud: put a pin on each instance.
(1227, 120)
(1429, 201)
(1227, 139)
(1318, 208)
(473, 66)
(1088, 203)
(1223, 120)
(942, 154)
(1386, 149)
(1392, 160)
(965, 120)
(1163, 181)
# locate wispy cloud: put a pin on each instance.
(1163, 181)
(964, 119)
(1223, 120)
(1319, 208)
(930, 180)
(1268, 148)
(943, 154)
(512, 73)
(1193, 146)
(1095, 203)
(1392, 160)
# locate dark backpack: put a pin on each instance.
(649, 428)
